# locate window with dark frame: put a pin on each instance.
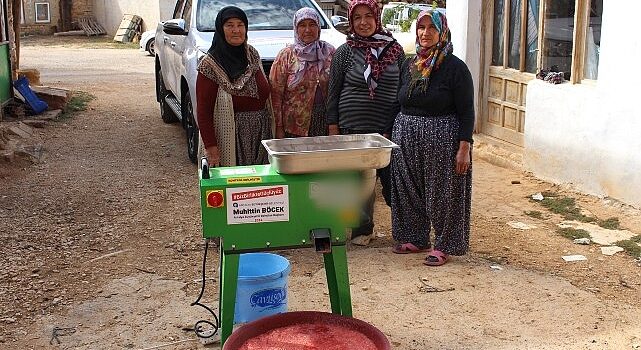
(558, 40)
(593, 40)
(516, 34)
(524, 41)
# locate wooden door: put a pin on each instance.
(511, 56)
(65, 16)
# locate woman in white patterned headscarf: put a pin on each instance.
(299, 78)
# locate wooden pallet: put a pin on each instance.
(130, 22)
(130, 27)
(91, 27)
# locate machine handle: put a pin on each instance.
(204, 168)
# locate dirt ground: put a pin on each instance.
(102, 240)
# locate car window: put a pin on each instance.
(187, 13)
(178, 9)
(262, 15)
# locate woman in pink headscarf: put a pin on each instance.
(299, 78)
(362, 90)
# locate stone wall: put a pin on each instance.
(81, 8)
(37, 29)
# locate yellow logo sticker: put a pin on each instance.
(244, 180)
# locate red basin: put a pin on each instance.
(306, 322)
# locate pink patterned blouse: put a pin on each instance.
(293, 105)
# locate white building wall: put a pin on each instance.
(587, 135)
(166, 9)
(464, 20)
(110, 12)
(584, 135)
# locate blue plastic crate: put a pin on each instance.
(37, 105)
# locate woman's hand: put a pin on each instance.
(213, 156)
(333, 129)
(280, 132)
(463, 158)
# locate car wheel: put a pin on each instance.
(166, 113)
(151, 47)
(191, 128)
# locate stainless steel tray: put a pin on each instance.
(329, 153)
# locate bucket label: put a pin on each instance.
(247, 205)
(269, 298)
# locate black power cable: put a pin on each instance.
(198, 327)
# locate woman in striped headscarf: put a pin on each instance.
(299, 79)
(362, 89)
(432, 169)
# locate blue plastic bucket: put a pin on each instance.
(262, 286)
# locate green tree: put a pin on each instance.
(407, 24)
(387, 16)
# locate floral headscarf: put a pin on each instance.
(429, 60)
(381, 49)
(311, 55)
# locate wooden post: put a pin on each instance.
(581, 23)
(523, 41)
(13, 23)
(17, 12)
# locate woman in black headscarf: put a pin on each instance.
(231, 95)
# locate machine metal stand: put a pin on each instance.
(337, 282)
(268, 211)
(307, 197)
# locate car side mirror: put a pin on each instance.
(338, 19)
(342, 27)
(341, 24)
(175, 27)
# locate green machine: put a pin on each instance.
(307, 197)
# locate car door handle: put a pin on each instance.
(173, 44)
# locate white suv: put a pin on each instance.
(180, 43)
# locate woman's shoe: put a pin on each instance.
(407, 248)
(435, 258)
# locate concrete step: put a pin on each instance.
(498, 152)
